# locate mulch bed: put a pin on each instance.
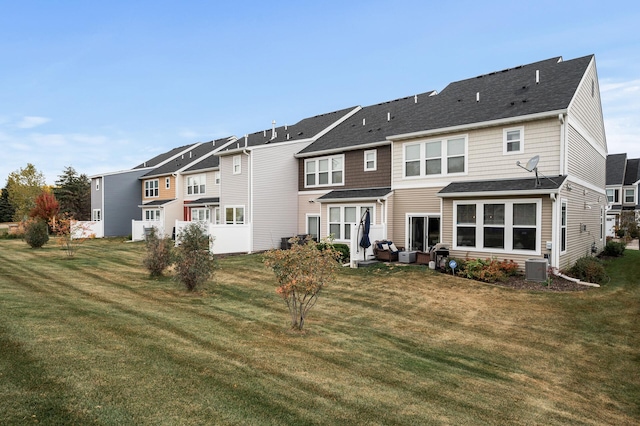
(556, 284)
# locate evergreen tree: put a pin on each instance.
(73, 192)
(6, 209)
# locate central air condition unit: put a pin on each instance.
(536, 270)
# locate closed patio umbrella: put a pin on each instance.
(366, 226)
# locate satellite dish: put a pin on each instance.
(532, 163)
(532, 166)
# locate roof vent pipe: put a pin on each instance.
(388, 116)
(273, 130)
(415, 99)
(264, 133)
(537, 76)
(363, 121)
(477, 96)
(285, 127)
(246, 140)
(287, 136)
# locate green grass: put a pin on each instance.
(93, 340)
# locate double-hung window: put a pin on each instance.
(513, 140)
(324, 171)
(436, 157)
(216, 178)
(97, 215)
(167, 183)
(612, 196)
(237, 164)
(151, 188)
(629, 196)
(196, 184)
(370, 160)
(498, 226)
(563, 226)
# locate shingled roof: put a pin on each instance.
(632, 172)
(304, 129)
(616, 165)
(164, 156)
(196, 152)
(211, 161)
(545, 86)
(503, 186)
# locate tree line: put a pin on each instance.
(24, 187)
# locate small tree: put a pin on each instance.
(70, 233)
(36, 233)
(159, 253)
(46, 208)
(194, 262)
(302, 272)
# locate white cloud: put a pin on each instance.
(30, 122)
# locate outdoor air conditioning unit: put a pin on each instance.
(536, 270)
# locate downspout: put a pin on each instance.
(383, 219)
(250, 198)
(563, 145)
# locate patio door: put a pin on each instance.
(313, 226)
(424, 232)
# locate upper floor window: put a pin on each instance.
(324, 171)
(513, 140)
(97, 184)
(196, 184)
(216, 178)
(151, 188)
(237, 164)
(370, 160)
(167, 183)
(435, 158)
(613, 196)
(629, 196)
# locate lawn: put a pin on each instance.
(93, 340)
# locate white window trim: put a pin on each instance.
(233, 222)
(633, 195)
(564, 228)
(96, 215)
(167, 183)
(307, 217)
(602, 223)
(216, 215)
(375, 160)
(195, 184)
(207, 214)
(152, 212)
(443, 157)
(216, 178)
(329, 171)
(508, 226)
(237, 164)
(153, 189)
(359, 212)
(97, 184)
(504, 140)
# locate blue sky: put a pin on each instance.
(104, 86)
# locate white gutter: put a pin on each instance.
(498, 193)
(338, 150)
(462, 127)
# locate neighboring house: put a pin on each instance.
(623, 179)
(455, 163)
(115, 196)
(348, 171)
(259, 184)
(163, 189)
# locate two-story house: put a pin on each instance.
(511, 164)
(622, 181)
(259, 183)
(115, 196)
(163, 189)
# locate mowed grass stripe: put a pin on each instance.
(394, 346)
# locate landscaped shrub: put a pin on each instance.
(194, 262)
(36, 233)
(614, 249)
(487, 270)
(159, 253)
(589, 269)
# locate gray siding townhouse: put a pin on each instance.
(623, 179)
